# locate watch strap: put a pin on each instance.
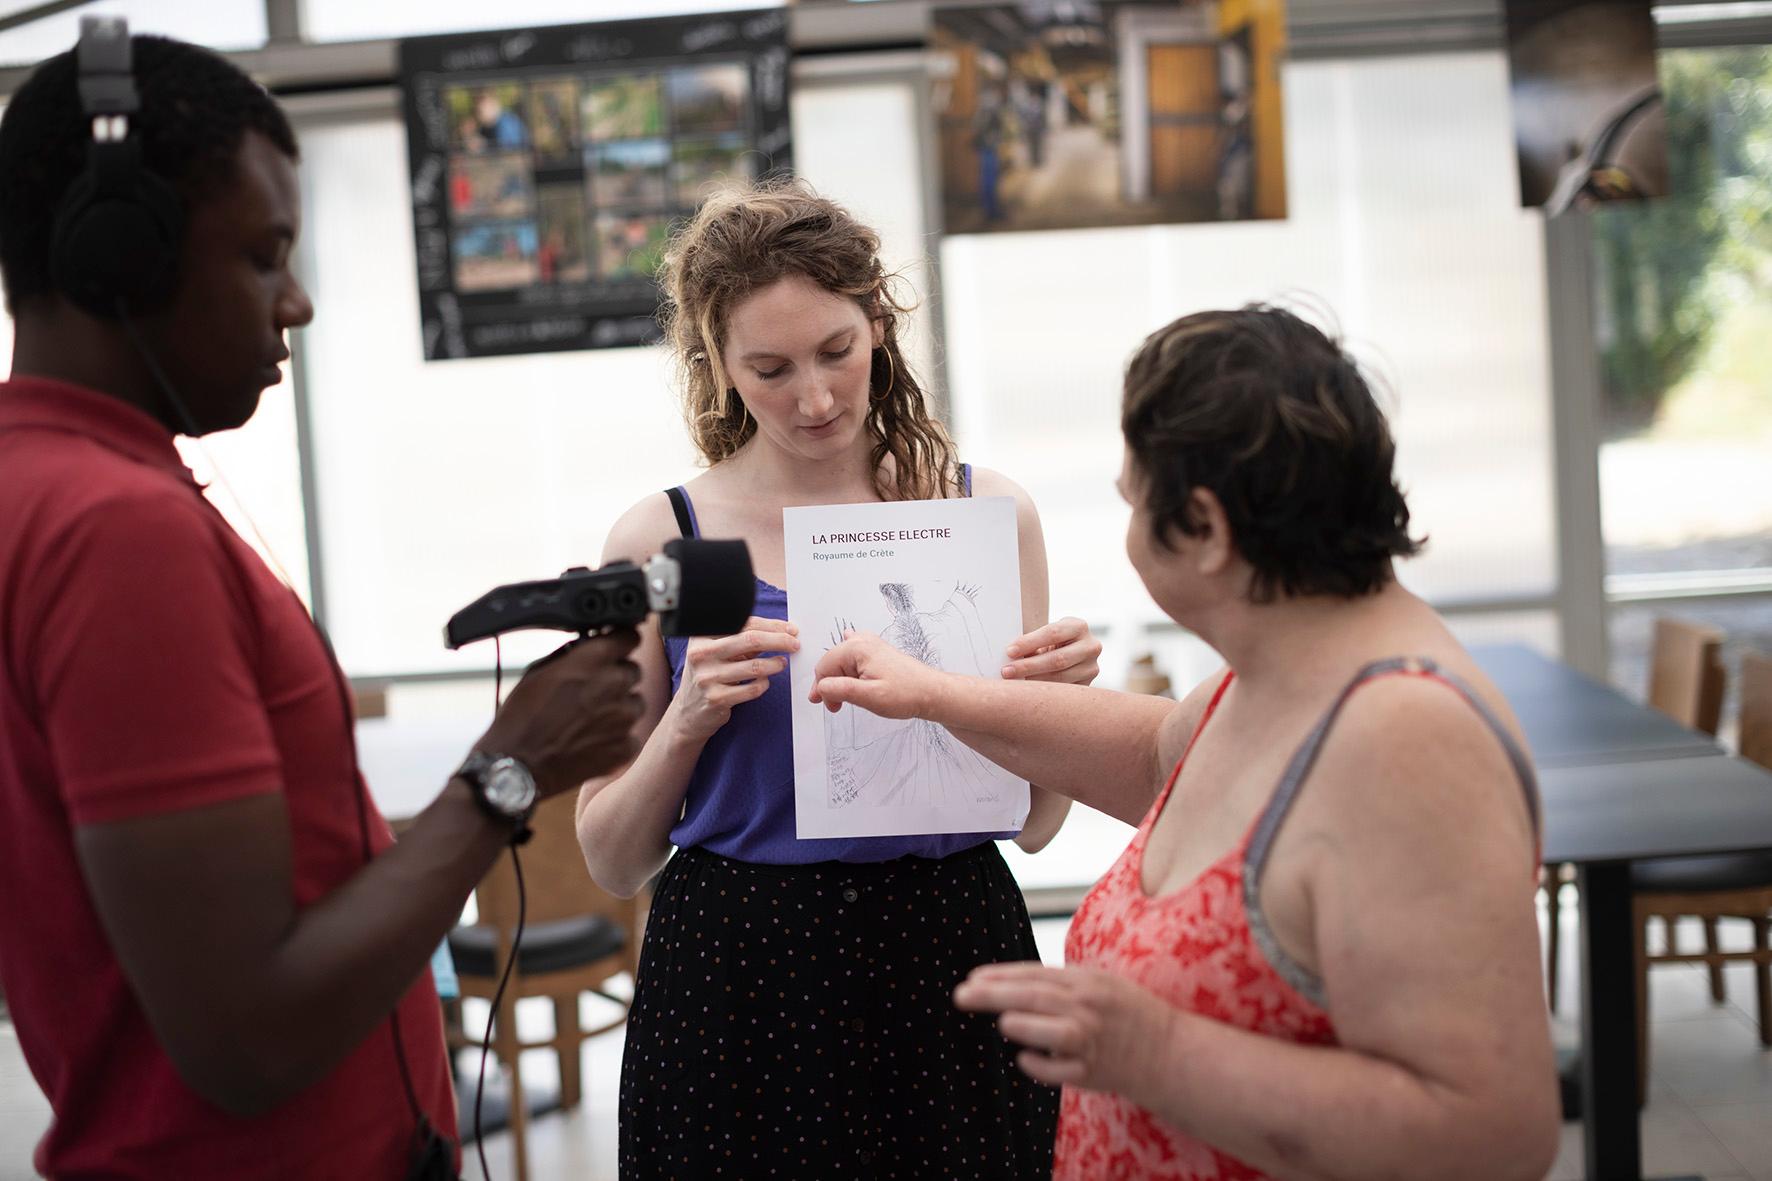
(473, 771)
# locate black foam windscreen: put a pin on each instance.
(718, 588)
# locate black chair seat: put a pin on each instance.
(1693, 875)
(547, 947)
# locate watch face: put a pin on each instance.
(509, 787)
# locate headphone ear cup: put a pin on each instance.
(117, 246)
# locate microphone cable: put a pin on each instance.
(425, 1133)
(498, 994)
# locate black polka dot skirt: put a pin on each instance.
(798, 1022)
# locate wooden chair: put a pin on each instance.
(576, 938)
(1756, 708)
(1686, 673)
(1737, 886)
(1686, 681)
(369, 699)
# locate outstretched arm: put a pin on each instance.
(1105, 749)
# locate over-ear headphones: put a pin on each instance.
(116, 240)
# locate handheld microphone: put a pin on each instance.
(697, 588)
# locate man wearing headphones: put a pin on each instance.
(213, 951)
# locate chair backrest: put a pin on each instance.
(555, 880)
(1686, 673)
(1756, 708)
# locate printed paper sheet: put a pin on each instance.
(941, 581)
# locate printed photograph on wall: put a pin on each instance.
(623, 106)
(708, 99)
(630, 246)
(487, 118)
(1588, 120)
(491, 186)
(549, 166)
(702, 166)
(553, 118)
(1101, 113)
(630, 171)
(491, 255)
(562, 254)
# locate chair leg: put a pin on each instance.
(567, 1043)
(1718, 994)
(1642, 974)
(1553, 932)
(510, 1053)
(1763, 978)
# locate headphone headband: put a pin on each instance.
(106, 58)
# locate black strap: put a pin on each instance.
(680, 506)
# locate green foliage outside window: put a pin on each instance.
(1669, 271)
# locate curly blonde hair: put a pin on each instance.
(745, 239)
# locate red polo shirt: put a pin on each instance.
(149, 662)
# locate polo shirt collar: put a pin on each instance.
(46, 404)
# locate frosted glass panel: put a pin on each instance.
(219, 24)
(351, 20)
(253, 475)
(1405, 233)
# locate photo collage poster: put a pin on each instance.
(550, 165)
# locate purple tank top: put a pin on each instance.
(740, 802)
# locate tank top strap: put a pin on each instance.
(1267, 826)
(685, 511)
(1162, 799)
(965, 479)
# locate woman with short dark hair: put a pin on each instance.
(1318, 957)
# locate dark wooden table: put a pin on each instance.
(1573, 721)
(1621, 783)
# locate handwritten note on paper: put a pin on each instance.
(941, 581)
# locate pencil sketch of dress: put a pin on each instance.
(886, 762)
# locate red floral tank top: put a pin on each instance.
(1207, 949)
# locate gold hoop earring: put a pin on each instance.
(891, 373)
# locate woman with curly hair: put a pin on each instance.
(791, 1017)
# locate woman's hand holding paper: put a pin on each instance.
(725, 671)
(1063, 651)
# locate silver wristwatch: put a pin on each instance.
(504, 787)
